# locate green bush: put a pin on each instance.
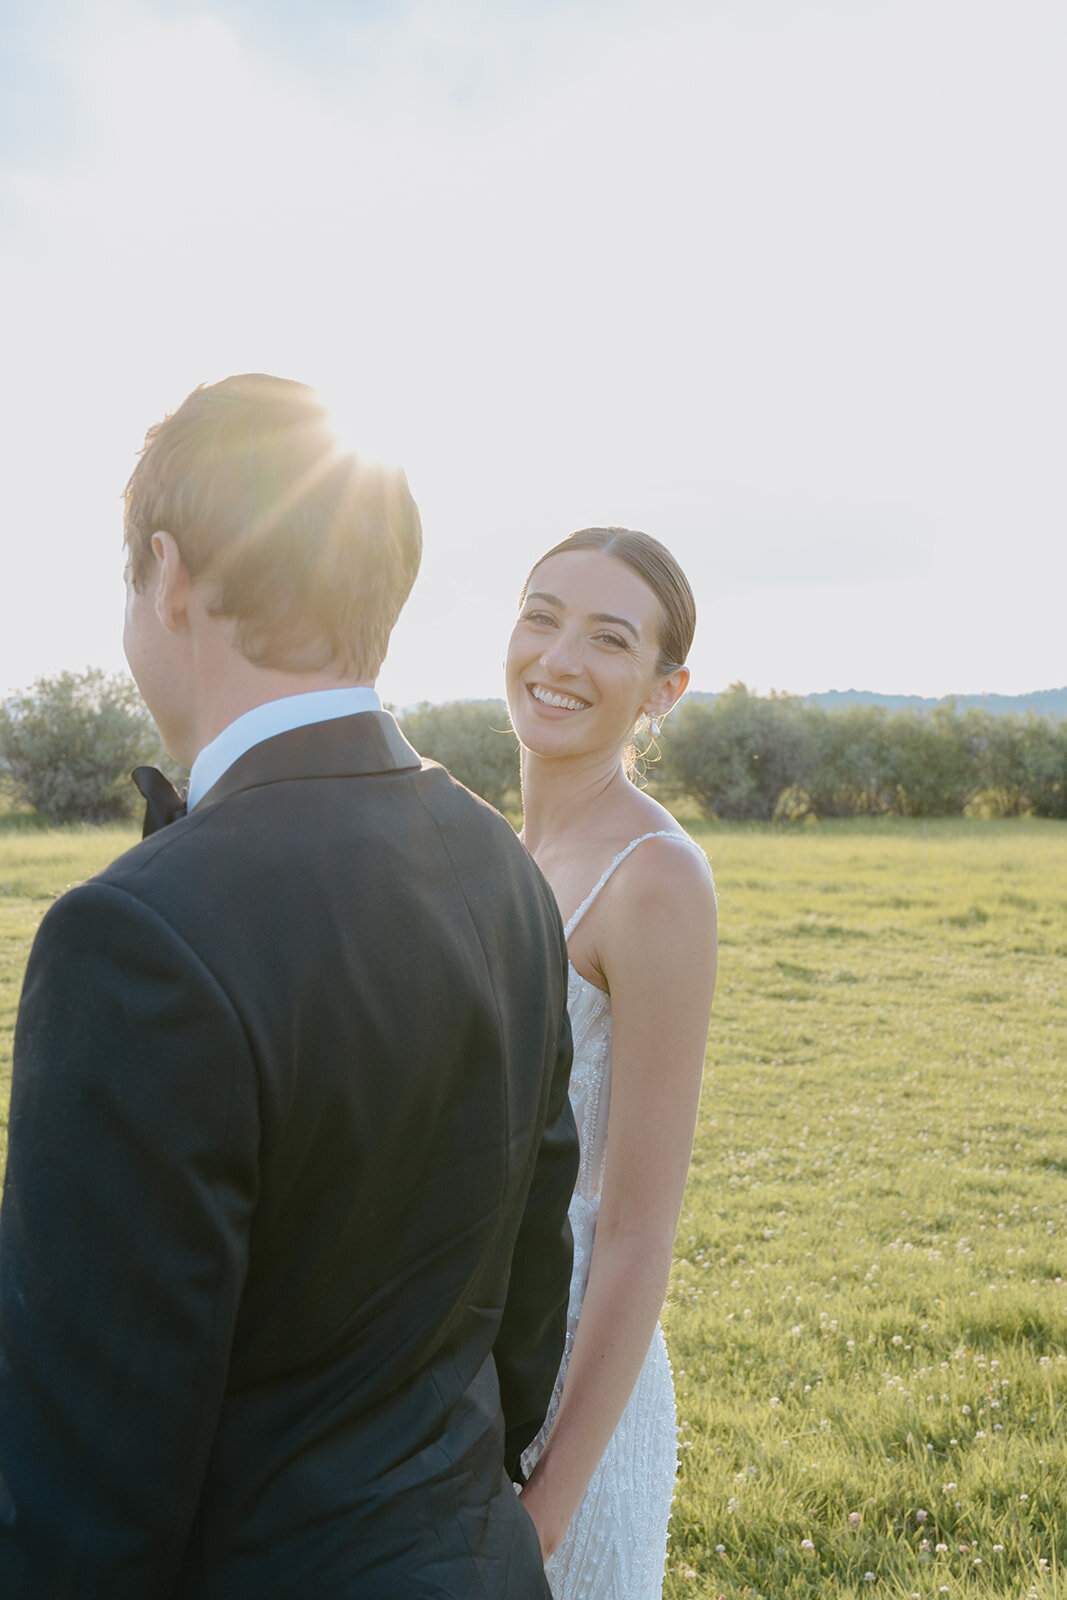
(473, 739)
(69, 743)
(1043, 759)
(742, 757)
(852, 762)
(736, 754)
(1022, 760)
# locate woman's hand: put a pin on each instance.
(550, 1521)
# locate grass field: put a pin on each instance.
(868, 1315)
(36, 865)
(868, 1318)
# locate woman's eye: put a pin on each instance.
(542, 618)
(612, 639)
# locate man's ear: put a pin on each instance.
(667, 693)
(173, 583)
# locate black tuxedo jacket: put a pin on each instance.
(284, 1255)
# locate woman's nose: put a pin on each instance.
(560, 657)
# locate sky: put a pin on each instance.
(778, 281)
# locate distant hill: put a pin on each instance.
(1045, 702)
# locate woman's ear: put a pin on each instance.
(667, 693)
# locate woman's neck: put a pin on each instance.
(562, 798)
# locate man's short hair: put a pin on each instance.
(309, 549)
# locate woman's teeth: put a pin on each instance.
(562, 702)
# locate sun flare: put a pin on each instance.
(357, 433)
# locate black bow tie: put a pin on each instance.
(164, 803)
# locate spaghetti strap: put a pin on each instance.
(663, 833)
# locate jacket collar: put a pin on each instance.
(345, 747)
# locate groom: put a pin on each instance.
(283, 1254)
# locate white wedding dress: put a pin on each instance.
(616, 1545)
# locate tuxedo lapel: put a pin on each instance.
(345, 747)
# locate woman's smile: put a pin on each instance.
(555, 699)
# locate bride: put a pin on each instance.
(599, 648)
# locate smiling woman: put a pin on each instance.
(583, 655)
(605, 624)
(608, 608)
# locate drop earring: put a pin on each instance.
(653, 725)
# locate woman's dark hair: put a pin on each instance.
(654, 565)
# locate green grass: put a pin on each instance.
(868, 1314)
(868, 1317)
(36, 864)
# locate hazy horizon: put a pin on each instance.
(697, 689)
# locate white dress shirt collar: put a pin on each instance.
(265, 721)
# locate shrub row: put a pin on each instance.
(67, 746)
(743, 756)
(746, 756)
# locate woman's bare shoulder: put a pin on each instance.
(660, 925)
(666, 875)
(670, 869)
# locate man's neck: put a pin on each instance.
(243, 687)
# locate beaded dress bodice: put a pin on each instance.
(590, 1093)
(616, 1544)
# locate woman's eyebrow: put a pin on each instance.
(621, 622)
(597, 616)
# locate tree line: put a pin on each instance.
(67, 746)
(69, 743)
(746, 756)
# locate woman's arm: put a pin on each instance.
(658, 952)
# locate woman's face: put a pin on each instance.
(581, 663)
